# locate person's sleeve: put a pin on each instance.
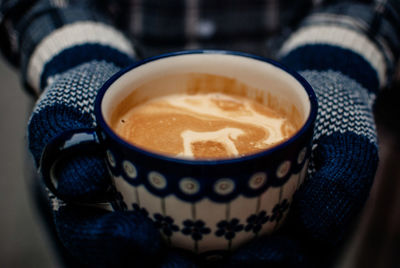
(43, 38)
(361, 39)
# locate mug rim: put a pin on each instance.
(101, 123)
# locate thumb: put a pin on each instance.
(66, 104)
(344, 168)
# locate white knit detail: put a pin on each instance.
(78, 33)
(342, 37)
(343, 105)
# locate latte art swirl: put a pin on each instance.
(204, 126)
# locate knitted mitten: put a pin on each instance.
(346, 69)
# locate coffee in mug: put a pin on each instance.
(210, 119)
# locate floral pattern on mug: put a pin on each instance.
(140, 210)
(279, 210)
(229, 228)
(195, 228)
(256, 221)
(165, 224)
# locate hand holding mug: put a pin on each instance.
(201, 202)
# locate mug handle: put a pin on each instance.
(70, 142)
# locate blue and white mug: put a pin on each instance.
(202, 205)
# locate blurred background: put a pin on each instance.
(23, 240)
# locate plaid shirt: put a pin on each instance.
(253, 26)
(159, 26)
(155, 26)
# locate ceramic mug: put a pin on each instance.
(206, 206)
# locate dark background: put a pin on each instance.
(23, 241)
